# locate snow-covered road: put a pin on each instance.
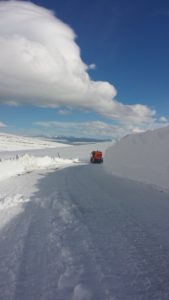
(84, 235)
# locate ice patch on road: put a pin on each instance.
(10, 201)
(29, 163)
(10, 207)
(68, 279)
(81, 292)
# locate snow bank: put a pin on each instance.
(28, 163)
(143, 157)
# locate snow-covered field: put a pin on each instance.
(20, 158)
(143, 157)
(11, 142)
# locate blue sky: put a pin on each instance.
(128, 43)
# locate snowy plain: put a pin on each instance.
(70, 231)
(11, 142)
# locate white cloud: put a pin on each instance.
(92, 67)
(163, 120)
(40, 64)
(137, 130)
(2, 125)
(64, 112)
(95, 129)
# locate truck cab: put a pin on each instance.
(96, 157)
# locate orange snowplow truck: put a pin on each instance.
(96, 157)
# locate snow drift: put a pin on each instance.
(143, 157)
(28, 163)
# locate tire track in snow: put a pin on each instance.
(82, 276)
(87, 236)
(58, 256)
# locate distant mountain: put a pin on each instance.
(71, 140)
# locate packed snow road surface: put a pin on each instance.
(84, 235)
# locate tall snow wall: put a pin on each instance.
(143, 157)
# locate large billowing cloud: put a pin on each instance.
(40, 64)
